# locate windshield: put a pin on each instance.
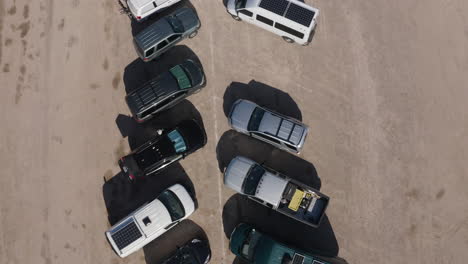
(240, 4)
(173, 205)
(175, 24)
(178, 141)
(248, 247)
(253, 178)
(255, 119)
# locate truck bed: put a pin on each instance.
(303, 203)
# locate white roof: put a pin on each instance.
(270, 188)
(157, 214)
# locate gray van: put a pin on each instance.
(166, 32)
(281, 131)
(166, 90)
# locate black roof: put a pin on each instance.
(152, 91)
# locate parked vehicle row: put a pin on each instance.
(294, 21)
(168, 145)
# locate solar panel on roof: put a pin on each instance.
(276, 6)
(300, 15)
(126, 235)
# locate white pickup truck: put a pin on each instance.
(151, 220)
(276, 191)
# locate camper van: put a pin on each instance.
(293, 20)
(151, 220)
(141, 9)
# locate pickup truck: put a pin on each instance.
(254, 247)
(272, 189)
(151, 220)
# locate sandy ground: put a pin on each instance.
(383, 87)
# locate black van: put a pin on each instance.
(166, 90)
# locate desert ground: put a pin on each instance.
(383, 87)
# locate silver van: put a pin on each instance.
(281, 131)
(166, 32)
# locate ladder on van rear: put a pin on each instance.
(124, 8)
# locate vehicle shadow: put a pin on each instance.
(139, 72)
(137, 27)
(263, 95)
(232, 144)
(139, 133)
(240, 209)
(166, 245)
(122, 197)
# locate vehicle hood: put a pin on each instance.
(188, 17)
(236, 172)
(238, 237)
(270, 188)
(195, 73)
(185, 198)
(240, 114)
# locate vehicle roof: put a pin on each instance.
(241, 113)
(281, 128)
(236, 172)
(159, 149)
(292, 10)
(150, 92)
(153, 34)
(270, 188)
(157, 213)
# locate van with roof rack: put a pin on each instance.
(166, 90)
(263, 124)
(141, 9)
(165, 33)
(151, 220)
(291, 19)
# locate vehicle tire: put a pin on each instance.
(288, 40)
(193, 34)
(236, 18)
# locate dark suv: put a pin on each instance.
(168, 147)
(166, 90)
(194, 252)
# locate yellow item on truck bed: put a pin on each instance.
(296, 200)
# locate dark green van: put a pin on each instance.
(254, 247)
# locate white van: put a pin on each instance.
(141, 9)
(291, 19)
(151, 220)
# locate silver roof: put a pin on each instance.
(270, 188)
(282, 128)
(236, 172)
